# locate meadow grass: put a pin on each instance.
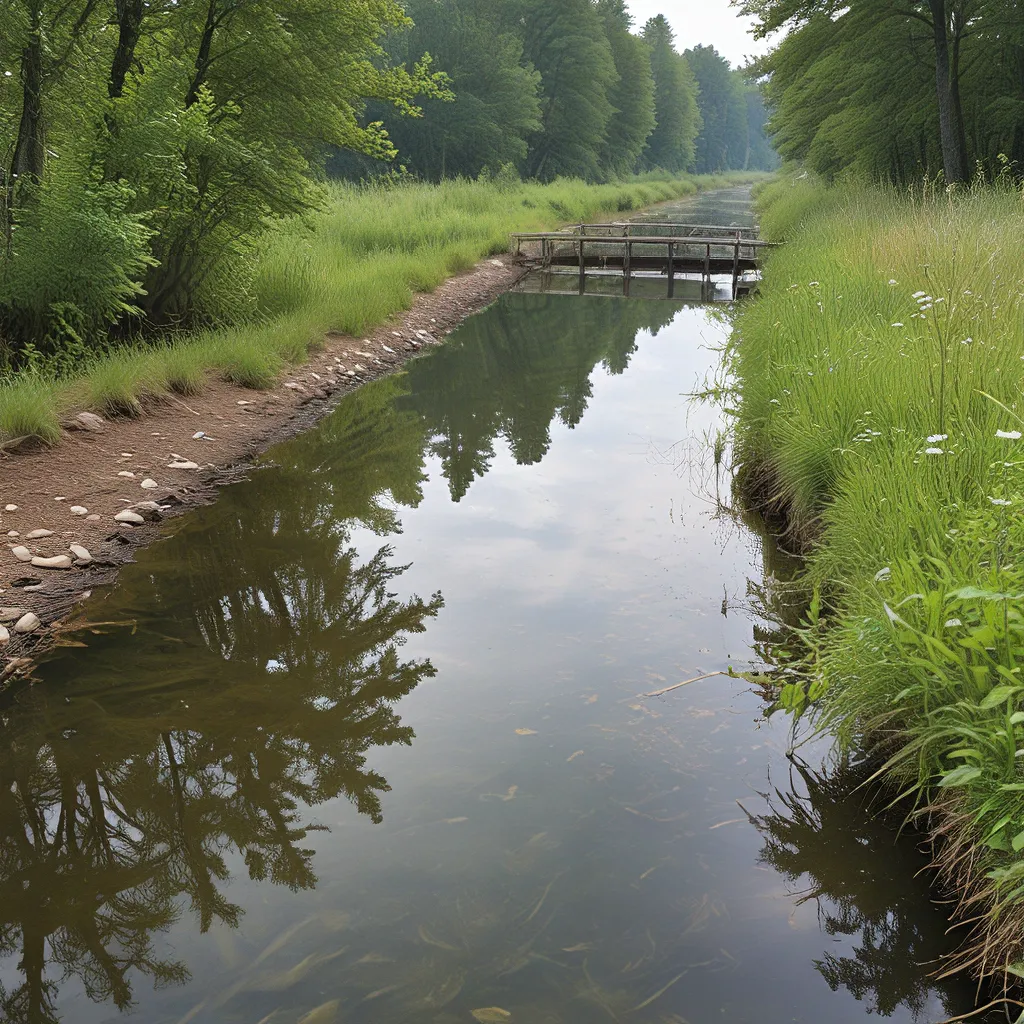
(347, 267)
(880, 374)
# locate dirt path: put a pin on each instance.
(212, 438)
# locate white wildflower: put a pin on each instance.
(934, 451)
(918, 295)
(892, 280)
(950, 623)
(932, 438)
(999, 501)
(883, 574)
(897, 325)
(1008, 435)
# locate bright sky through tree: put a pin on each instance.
(708, 22)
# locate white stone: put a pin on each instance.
(56, 562)
(90, 421)
(242, 401)
(292, 386)
(22, 553)
(365, 355)
(78, 510)
(82, 554)
(128, 516)
(5, 634)
(183, 465)
(149, 485)
(199, 435)
(13, 533)
(94, 518)
(60, 498)
(10, 508)
(127, 455)
(497, 263)
(315, 376)
(359, 368)
(388, 349)
(350, 373)
(127, 474)
(38, 534)
(28, 623)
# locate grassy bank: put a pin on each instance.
(880, 375)
(347, 268)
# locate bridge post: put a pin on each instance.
(671, 269)
(583, 269)
(736, 265)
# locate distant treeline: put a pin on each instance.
(896, 89)
(565, 88)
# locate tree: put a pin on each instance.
(496, 104)
(723, 142)
(946, 26)
(566, 43)
(671, 144)
(632, 96)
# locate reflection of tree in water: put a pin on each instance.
(860, 885)
(266, 665)
(515, 370)
(267, 669)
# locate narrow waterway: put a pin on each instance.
(365, 741)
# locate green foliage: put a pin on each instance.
(73, 266)
(566, 43)
(672, 143)
(880, 374)
(873, 88)
(143, 163)
(632, 96)
(724, 139)
(494, 104)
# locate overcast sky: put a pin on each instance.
(711, 22)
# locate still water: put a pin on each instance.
(366, 741)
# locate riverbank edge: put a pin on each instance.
(991, 946)
(237, 425)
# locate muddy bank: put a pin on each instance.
(189, 448)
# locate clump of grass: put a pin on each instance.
(119, 382)
(881, 373)
(29, 407)
(184, 367)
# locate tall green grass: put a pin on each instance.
(347, 268)
(880, 374)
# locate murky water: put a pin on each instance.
(366, 741)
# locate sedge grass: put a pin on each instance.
(881, 374)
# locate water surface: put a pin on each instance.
(366, 741)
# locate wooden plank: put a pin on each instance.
(671, 270)
(556, 236)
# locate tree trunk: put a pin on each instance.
(30, 147)
(129, 27)
(954, 162)
(203, 55)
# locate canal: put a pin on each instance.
(367, 740)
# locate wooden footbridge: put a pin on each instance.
(659, 248)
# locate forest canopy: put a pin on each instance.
(573, 88)
(896, 89)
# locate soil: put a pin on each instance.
(221, 431)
